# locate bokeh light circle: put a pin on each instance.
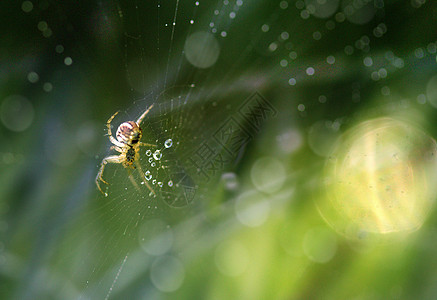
(322, 137)
(231, 258)
(155, 237)
(322, 8)
(320, 245)
(268, 174)
(202, 49)
(252, 209)
(381, 178)
(359, 12)
(167, 273)
(16, 113)
(289, 141)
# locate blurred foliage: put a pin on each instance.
(252, 230)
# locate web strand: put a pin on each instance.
(116, 277)
(171, 42)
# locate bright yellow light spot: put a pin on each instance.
(381, 179)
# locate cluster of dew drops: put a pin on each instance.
(153, 159)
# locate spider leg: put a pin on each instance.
(146, 144)
(111, 138)
(115, 142)
(113, 159)
(132, 179)
(108, 123)
(138, 167)
(140, 119)
(116, 148)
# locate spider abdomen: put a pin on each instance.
(128, 133)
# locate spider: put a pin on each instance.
(127, 143)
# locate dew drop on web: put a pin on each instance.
(157, 155)
(168, 143)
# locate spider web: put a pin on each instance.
(129, 220)
(127, 239)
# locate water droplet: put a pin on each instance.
(150, 160)
(157, 155)
(170, 183)
(147, 175)
(148, 152)
(168, 143)
(160, 184)
(106, 194)
(153, 181)
(153, 164)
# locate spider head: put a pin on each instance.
(129, 133)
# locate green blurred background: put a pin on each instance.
(251, 218)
